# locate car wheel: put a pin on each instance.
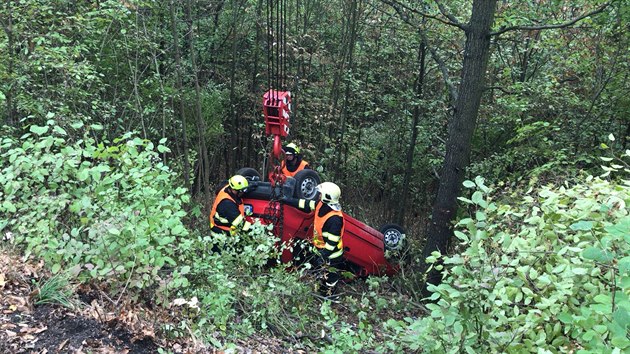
(393, 237)
(306, 182)
(249, 173)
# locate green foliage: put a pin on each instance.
(56, 290)
(107, 207)
(239, 290)
(360, 335)
(549, 273)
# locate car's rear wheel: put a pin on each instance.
(393, 237)
(249, 173)
(306, 184)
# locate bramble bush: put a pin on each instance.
(548, 274)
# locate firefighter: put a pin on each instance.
(228, 212)
(293, 162)
(328, 228)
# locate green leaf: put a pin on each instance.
(620, 342)
(596, 254)
(178, 230)
(579, 271)
(602, 299)
(565, 317)
(588, 336)
(469, 184)
(465, 200)
(477, 197)
(624, 265)
(462, 236)
(83, 174)
(481, 184)
(59, 130)
(8, 206)
(55, 268)
(38, 130)
(162, 149)
(582, 226)
(621, 230)
(622, 317)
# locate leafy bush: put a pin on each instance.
(239, 290)
(551, 273)
(108, 207)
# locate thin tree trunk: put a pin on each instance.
(461, 128)
(178, 94)
(419, 84)
(233, 127)
(201, 125)
(8, 29)
(251, 146)
(347, 62)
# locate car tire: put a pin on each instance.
(306, 184)
(393, 237)
(249, 173)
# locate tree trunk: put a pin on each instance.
(178, 96)
(461, 128)
(234, 127)
(8, 29)
(400, 212)
(201, 125)
(347, 65)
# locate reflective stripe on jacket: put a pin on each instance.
(322, 239)
(221, 222)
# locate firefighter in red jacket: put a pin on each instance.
(228, 212)
(328, 229)
(293, 162)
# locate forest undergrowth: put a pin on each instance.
(543, 268)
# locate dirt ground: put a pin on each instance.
(50, 328)
(94, 324)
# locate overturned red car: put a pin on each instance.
(364, 247)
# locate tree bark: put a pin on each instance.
(8, 29)
(342, 150)
(201, 125)
(461, 128)
(180, 100)
(419, 84)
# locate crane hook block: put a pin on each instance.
(277, 110)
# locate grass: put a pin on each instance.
(56, 290)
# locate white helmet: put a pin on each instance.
(330, 194)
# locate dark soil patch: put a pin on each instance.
(28, 328)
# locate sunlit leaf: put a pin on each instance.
(38, 130)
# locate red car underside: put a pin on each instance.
(364, 250)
